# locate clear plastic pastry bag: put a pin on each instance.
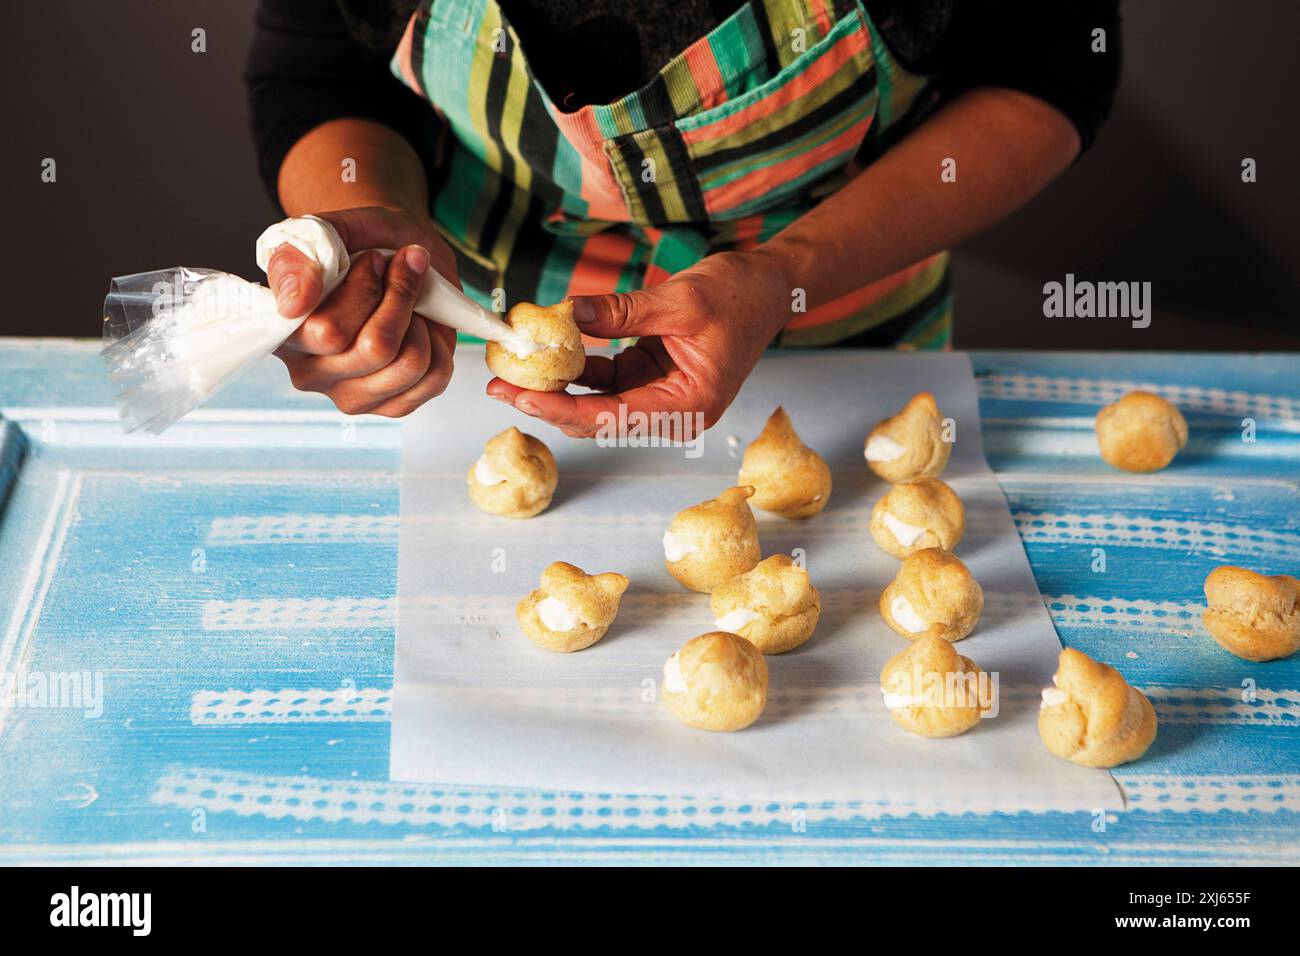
(173, 338)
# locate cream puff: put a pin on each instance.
(789, 478)
(716, 681)
(514, 477)
(1252, 615)
(555, 357)
(572, 609)
(774, 607)
(1091, 716)
(910, 444)
(713, 541)
(1140, 432)
(933, 593)
(916, 515)
(932, 690)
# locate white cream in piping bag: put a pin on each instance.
(674, 683)
(900, 608)
(883, 448)
(485, 474)
(555, 615)
(735, 621)
(907, 534)
(677, 546)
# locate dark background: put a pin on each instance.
(156, 169)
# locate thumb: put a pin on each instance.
(617, 315)
(295, 280)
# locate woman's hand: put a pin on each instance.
(701, 333)
(364, 348)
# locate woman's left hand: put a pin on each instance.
(700, 334)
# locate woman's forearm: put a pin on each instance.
(1007, 146)
(348, 163)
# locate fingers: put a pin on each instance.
(410, 364)
(374, 227)
(620, 314)
(295, 280)
(332, 328)
(634, 366)
(432, 384)
(584, 416)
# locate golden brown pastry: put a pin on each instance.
(932, 690)
(1252, 615)
(572, 609)
(716, 681)
(774, 607)
(933, 593)
(713, 541)
(1091, 716)
(916, 515)
(556, 357)
(514, 477)
(1140, 432)
(910, 444)
(789, 478)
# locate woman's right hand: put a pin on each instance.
(364, 348)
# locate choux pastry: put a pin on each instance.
(932, 690)
(1252, 615)
(572, 609)
(916, 515)
(932, 594)
(1140, 432)
(556, 357)
(514, 477)
(1091, 716)
(716, 681)
(789, 478)
(713, 541)
(910, 444)
(774, 607)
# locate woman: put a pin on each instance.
(712, 177)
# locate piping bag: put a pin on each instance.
(173, 338)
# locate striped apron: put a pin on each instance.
(735, 138)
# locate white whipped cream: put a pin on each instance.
(883, 448)
(677, 546)
(897, 701)
(735, 621)
(900, 608)
(555, 615)
(485, 474)
(907, 534)
(674, 683)
(1053, 696)
(522, 345)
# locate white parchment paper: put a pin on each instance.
(476, 703)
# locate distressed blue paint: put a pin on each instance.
(139, 552)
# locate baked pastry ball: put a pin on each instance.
(572, 609)
(774, 607)
(916, 515)
(910, 444)
(933, 593)
(555, 357)
(1140, 432)
(1252, 615)
(932, 690)
(713, 541)
(1091, 716)
(514, 477)
(789, 478)
(716, 681)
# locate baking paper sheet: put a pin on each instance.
(476, 703)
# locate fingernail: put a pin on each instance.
(417, 258)
(286, 293)
(584, 311)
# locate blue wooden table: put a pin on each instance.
(196, 634)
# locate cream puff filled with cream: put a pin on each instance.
(555, 356)
(774, 607)
(789, 478)
(572, 609)
(916, 515)
(910, 444)
(514, 477)
(713, 541)
(930, 689)
(933, 593)
(717, 681)
(1091, 716)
